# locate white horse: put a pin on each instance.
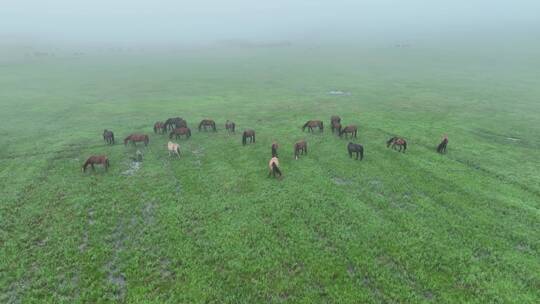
(174, 149)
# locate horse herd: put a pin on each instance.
(177, 127)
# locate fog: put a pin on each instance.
(167, 22)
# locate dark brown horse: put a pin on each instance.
(355, 148)
(310, 124)
(108, 136)
(397, 141)
(159, 127)
(275, 146)
(175, 122)
(207, 123)
(442, 146)
(336, 127)
(134, 138)
(349, 129)
(300, 147)
(179, 132)
(96, 160)
(230, 126)
(335, 118)
(248, 134)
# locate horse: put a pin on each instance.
(356, 148)
(230, 126)
(159, 127)
(273, 166)
(108, 136)
(300, 147)
(335, 118)
(248, 134)
(348, 129)
(310, 124)
(134, 138)
(179, 132)
(336, 126)
(442, 146)
(174, 149)
(96, 160)
(207, 123)
(175, 122)
(397, 141)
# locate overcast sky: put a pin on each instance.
(155, 21)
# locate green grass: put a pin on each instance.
(212, 228)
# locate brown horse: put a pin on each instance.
(335, 118)
(336, 126)
(207, 123)
(442, 146)
(397, 141)
(179, 132)
(159, 127)
(134, 138)
(96, 160)
(300, 147)
(275, 146)
(310, 124)
(348, 129)
(230, 126)
(108, 136)
(248, 134)
(175, 122)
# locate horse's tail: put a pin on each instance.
(361, 153)
(253, 137)
(404, 146)
(178, 149)
(244, 138)
(214, 126)
(189, 132)
(233, 126)
(146, 140)
(112, 137)
(322, 126)
(107, 164)
(389, 142)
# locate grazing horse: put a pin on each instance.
(336, 126)
(310, 124)
(174, 149)
(108, 136)
(397, 141)
(179, 132)
(356, 148)
(230, 126)
(275, 146)
(134, 138)
(96, 160)
(248, 134)
(300, 147)
(175, 122)
(207, 123)
(442, 146)
(335, 118)
(348, 129)
(159, 127)
(273, 167)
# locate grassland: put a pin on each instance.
(212, 228)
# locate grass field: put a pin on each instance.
(212, 228)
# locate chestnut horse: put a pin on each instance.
(108, 136)
(230, 126)
(175, 122)
(248, 134)
(310, 124)
(442, 146)
(348, 129)
(300, 147)
(397, 141)
(134, 138)
(207, 123)
(355, 148)
(273, 166)
(179, 132)
(96, 160)
(159, 127)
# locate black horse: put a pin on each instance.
(248, 134)
(355, 148)
(108, 137)
(174, 123)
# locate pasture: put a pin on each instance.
(211, 227)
